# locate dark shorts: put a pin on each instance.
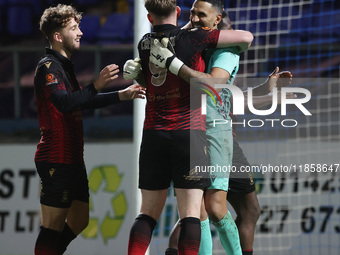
(240, 183)
(167, 156)
(62, 183)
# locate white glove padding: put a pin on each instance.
(163, 57)
(132, 69)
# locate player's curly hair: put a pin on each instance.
(162, 8)
(56, 18)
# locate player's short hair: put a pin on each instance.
(56, 18)
(162, 8)
(217, 4)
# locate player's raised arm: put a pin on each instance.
(163, 57)
(241, 39)
(275, 80)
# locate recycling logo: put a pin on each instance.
(108, 205)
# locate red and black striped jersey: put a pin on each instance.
(59, 100)
(168, 96)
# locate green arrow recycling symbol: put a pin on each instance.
(108, 226)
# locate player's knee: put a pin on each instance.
(250, 215)
(257, 213)
(216, 212)
(79, 225)
(85, 223)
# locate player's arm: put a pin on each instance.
(186, 73)
(65, 101)
(105, 99)
(274, 80)
(163, 57)
(239, 38)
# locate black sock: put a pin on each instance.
(247, 252)
(140, 234)
(67, 236)
(189, 236)
(171, 251)
(48, 242)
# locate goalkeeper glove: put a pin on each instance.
(132, 69)
(162, 56)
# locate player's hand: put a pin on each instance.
(163, 55)
(132, 69)
(108, 74)
(160, 54)
(279, 80)
(132, 92)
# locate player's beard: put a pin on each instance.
(71, 45)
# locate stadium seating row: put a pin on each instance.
(20, 17)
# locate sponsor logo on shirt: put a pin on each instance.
(50, 79)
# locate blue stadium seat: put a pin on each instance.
(19, 20)
(36, 5)
(1, 15)
(185, 4)
(86, 2)
(116, 29)
(90, 26)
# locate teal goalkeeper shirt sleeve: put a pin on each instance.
(227, 59)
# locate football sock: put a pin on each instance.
(247, 252)
(48, 242)
(171, 251)
(189, 236)
(228, 233)
(140, 234)
(206, 239)
(67, 236)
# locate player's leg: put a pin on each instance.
(55, 200)
(141, 231)
(206, 244)
(222, 220)
(76, 221)
(248, 211)
(189, 204)
(188, 150)
(242, 197)
(206, 238)
(78, 214)
(154, 181)
(221, 151)
(173, 240)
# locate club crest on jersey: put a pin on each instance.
(50, 79)
(48, 64)
(52, 171)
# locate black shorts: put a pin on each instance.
(240, 183)
(62, 183)
(167, 156)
